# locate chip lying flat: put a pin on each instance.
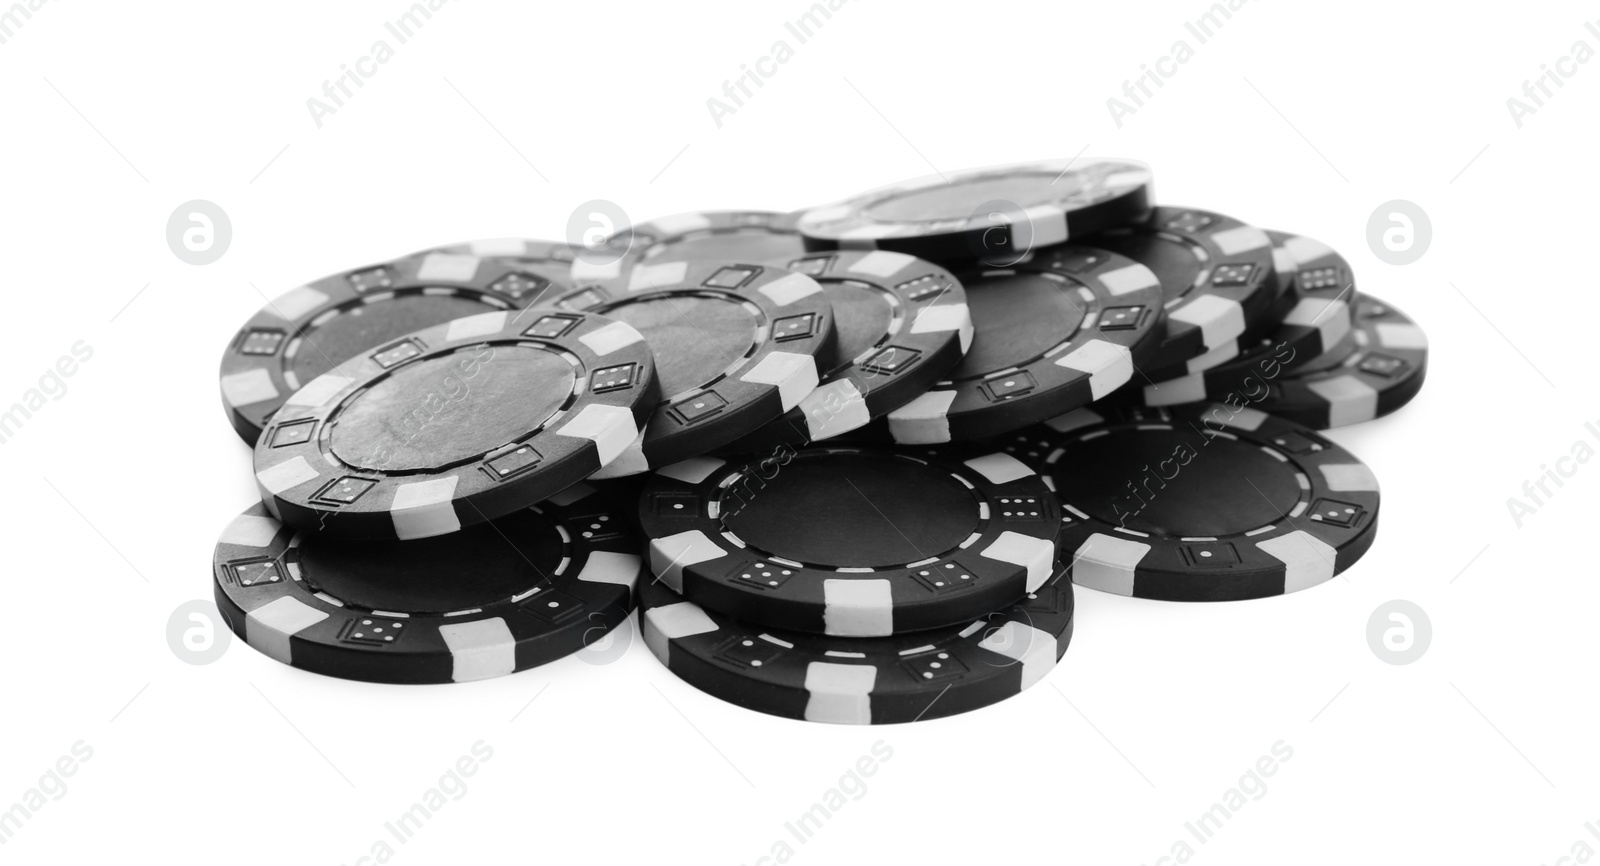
(456, 424)
(851, 541)
(304, 333)
(1209, 503)
(542, 583)
(736, 346)
(861, 681)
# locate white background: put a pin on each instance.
(499, 119)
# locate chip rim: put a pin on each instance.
(595, 569)
(412, 503)
(807, 678)
(851, 395)
(846, 224)
(655, 239)
(697, 553)
(951, 410)
(768, 381)
(242, 374)
(1142, 565)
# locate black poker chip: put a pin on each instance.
(992, 216)
(877, 680)
(721, 235)
(304, 333)
(1061, 328)
(456, 424)
(1376, 370)
(1207, 503)
(1316, 318)
(529, 588)
(864, 450)
(851, 541)
(902, 324)
(1217, 276)
(736, 344)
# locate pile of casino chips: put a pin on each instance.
(847, 463)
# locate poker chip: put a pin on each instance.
(991, 215)
(1217, 276)
(1379, 368)
(1060, 329)
(736, 346)
(859, 455)
(721, 236)
(901, 323)
(1319, 321)
(861, 681)
(855, 542)
(304, 333)
(1209, 503)
(527, 589)
(456, 424)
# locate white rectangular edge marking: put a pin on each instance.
(610, 428)
(671, 554)
(840, 694)
(604, 566)
(1037, 555)
(609, 338)
(250, 386)
(672, 621)
(1035, 648)
(249, 530)
(788, 289)
(1107, 563)
(423, 509)
(630, 462)
(1108, 365)
(1396, 336)
(794, 375)
(476, 326)
(1349, 476)
(1306, 249)
(923, 421)
(1307, 560)
(289, 473)
(1074, 420)
(943, 317)
(584, 271)
(317, 392)
(1221, 414)
(1217, 318)
(1350, 400)
(1049, 227)
(295, 303)
(1132, 278)
(1000, 468)
(834, 408)
(1330, 318)
(646, 277)
(269, 627)
(480, 649)
(881, 263)
(448, 267)
(680, 223)
(1241, 239)
(857, 607)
